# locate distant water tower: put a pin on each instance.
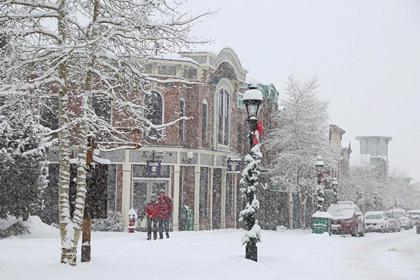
(374, 150)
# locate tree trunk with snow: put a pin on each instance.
(290, 207)
(66, 225)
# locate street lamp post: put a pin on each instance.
(249, 180)
(334, 185)
(319, 166)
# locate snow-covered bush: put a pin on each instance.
(22, 161)
(15, 229)
(113, 222)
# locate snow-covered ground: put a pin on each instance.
(216, 255)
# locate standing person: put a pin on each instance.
(165, 204)
(152, 212)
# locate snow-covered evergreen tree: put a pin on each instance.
(23, 166)
(301, 135)
(247, 185)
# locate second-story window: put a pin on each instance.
(168, 70)
(49, 112)
(181, 122)
(204, 122)
(102, 106)
(223, 120)
(154, 113)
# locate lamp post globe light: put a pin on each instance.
(319, 166)
(249, 180)
(252, 99)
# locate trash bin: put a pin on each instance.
(321, 222)
(186, 222)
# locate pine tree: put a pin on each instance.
(23, 166)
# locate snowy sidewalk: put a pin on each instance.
(218, 255)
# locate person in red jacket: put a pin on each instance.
(152, 211)
(165, 213)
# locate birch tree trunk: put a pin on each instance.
(66, 225)
(290, 204)
(83, 134)
(81, 191)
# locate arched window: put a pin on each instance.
(154, 112)
(223, 119)
(204, 122)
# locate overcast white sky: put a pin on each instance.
(366, 54)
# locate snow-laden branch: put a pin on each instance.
(32, 4)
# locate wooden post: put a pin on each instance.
(87, 226)
(87, 221)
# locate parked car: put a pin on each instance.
(346, 218)
(402, 216)
(414, 216)
(394, 223)
(376, 221)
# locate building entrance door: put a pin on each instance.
(142, 192)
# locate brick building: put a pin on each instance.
(196, 161)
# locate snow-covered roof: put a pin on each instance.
(321, 214)
(101, 160)
(175, 57)
(212, 59)
(386, 138)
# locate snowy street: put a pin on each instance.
(216, 255)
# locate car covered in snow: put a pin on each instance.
(376, 221)
(394, 222)
(346, 218)
(402, 216)
(414, 216)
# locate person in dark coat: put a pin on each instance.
(165, 213)
(152, 211)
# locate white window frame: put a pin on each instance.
(223, 84)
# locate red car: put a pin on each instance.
(346, 218)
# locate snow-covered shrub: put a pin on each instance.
(15, 229)
(113, 222)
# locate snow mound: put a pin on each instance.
(38, 229)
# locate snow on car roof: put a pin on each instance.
(397, 210)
